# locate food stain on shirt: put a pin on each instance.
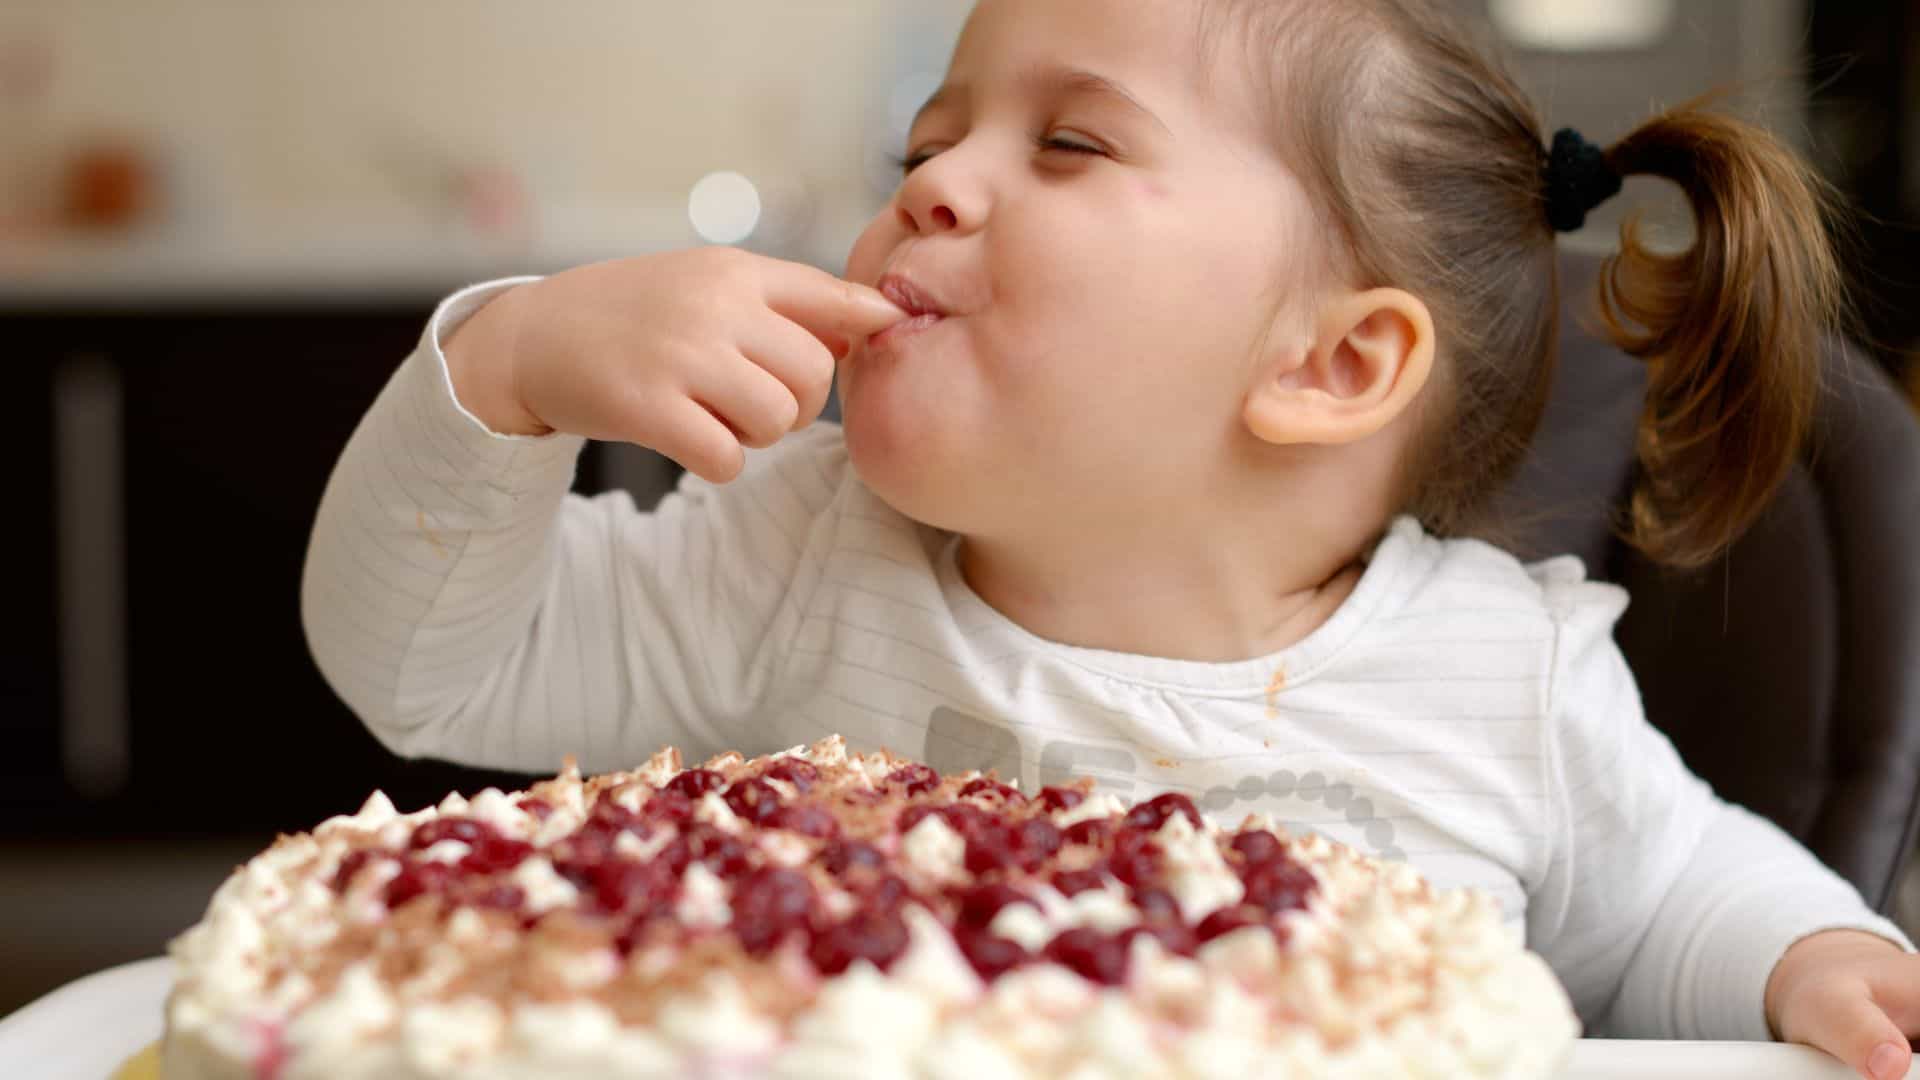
(433, 539)
(1277, 684)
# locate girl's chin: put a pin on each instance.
(902, 461)
(888, 414)
(881, 445)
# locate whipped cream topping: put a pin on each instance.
(1376, 973)
(1197, 874)
(933, 848)
(703, 899)
(545, 890)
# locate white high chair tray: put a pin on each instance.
(88, 1028)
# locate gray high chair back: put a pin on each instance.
(1787, 674)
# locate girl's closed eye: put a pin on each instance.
(1068, 142)
(1046, 142)
(912, 161)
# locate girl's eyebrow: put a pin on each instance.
(1043, 80)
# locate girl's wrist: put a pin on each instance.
(481, 365)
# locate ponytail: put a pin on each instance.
(1427, 159)
(1730, 328)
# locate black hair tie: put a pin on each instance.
(1578, 179)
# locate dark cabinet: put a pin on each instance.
(1864, 126)
(227, 425)
(29, 743)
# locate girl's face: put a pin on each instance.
(1110, 242)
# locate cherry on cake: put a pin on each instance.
(822, 913)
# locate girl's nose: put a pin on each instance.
(940, 196)
(938, 217)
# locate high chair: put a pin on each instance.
(1787, 673)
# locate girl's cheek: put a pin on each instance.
(1150, 188)
(864, 262)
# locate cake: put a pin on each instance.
(825, 913)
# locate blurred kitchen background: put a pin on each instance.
(222, 222)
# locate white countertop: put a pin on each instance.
(335, 257)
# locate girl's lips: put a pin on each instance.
(909, 295)
(902, 330)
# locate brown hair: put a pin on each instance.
(1425, 159)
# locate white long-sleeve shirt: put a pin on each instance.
(1459, 710)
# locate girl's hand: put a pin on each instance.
(696, 354)
(1853, 994)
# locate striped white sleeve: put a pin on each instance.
(1664, 907)
(466, 607)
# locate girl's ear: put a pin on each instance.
(1372, 352)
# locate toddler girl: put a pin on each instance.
(1174, 377)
